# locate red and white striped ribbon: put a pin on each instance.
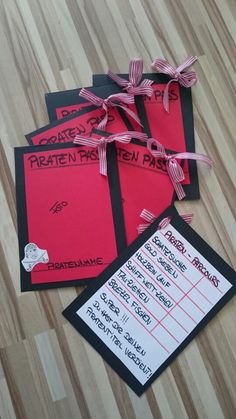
(173, 167)
(133, 85)
(184, 78)
(116, 100)
(101, 144)
(150, 217)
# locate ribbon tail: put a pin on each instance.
(147, 215)
(187, 63)
(87, 141)
(179, 190)
(142, 227)
(166, 97)
(176, 175)
(117, 79)
(164, 223)
(102, 159)
(102, 125)
(146, 84)
(187, 218)
(141, 90)
(130, 113)
(195, 156)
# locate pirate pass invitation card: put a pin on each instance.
(144, 182)
(174, 129)
(152, 300)
(119, 106)
(70, 220)
(81, 122)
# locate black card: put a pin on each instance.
(65, 210)
(153, 300)
(103, 79)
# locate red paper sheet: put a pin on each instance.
(65, 207)
(63, 111)
(166, 127)
(81, 123)
(61, 104)
(144, 184)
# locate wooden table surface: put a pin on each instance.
(47, 370)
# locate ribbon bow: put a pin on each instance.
(133, 86)
(101, 144)
(109, 102)
(173, 167)
(184, 78)
(150, 217)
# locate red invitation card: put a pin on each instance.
(146, 307)
(70, 221)
(144, 183)
(174, 130)
(61, 104)
(78, 123)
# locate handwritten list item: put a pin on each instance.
(151, 304)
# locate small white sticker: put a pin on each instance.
(33, 256)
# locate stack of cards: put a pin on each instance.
(108, 152)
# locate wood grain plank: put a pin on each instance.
(47, 370)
